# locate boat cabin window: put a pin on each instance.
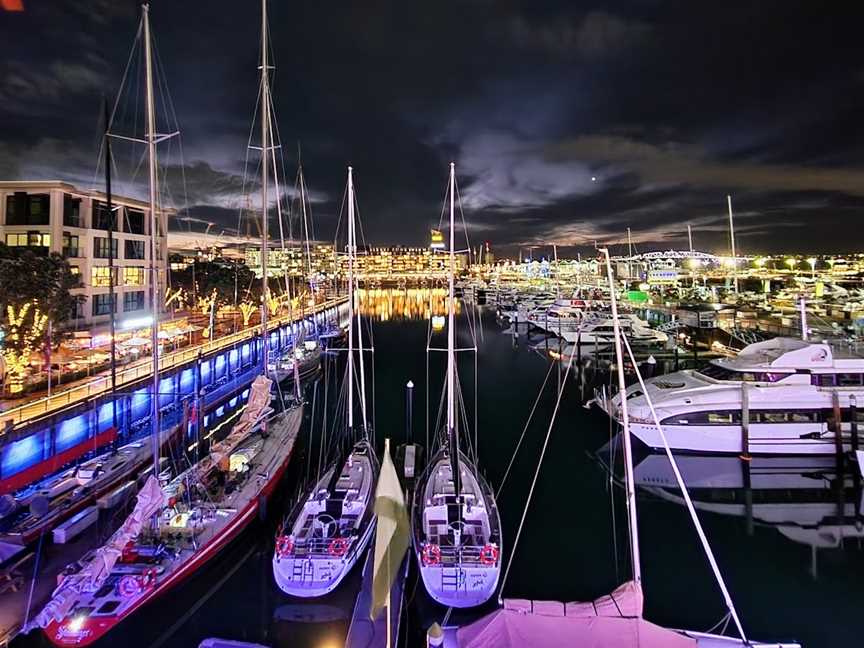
(837, 380)
(733, 417)
(784, 416)
(634, 394)
(848, 379)
(727, 417)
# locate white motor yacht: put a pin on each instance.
(598, 331)
(778, 396)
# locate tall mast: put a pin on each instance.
(154, 236)
(690, 237)
(362, 368)
(628, 451)
(265, 147)
(111, 291)
(453, 438)
(732, 238)
(629, 255)
(351, 249)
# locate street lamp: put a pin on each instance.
(812, 262)
(791, 263)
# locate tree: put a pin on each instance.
(201, 278)
(34, 291)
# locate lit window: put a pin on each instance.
(133, 276)
(100, 276)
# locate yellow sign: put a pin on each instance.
(437, 240)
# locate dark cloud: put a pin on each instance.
(568, 123)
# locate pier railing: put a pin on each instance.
(143, 368)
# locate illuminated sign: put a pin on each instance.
(437, 240)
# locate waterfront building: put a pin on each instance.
(383, 264)
(55, 216)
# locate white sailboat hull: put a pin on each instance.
(458, 586)
(314, 576)
(329, 531)
(465, 572)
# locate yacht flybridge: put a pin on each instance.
(324, 535)
(456, 527)
(780, 396)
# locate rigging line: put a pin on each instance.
(243, 189)
(524, 431)
(324, 417)
(338, 225)
(534, 480)
(33, 581)
(683, 487)
(164, 637)
(476, 425)
(279, 217)
(613, 450)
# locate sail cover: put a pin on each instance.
(151, 500)
(257, 410)
(613, 621)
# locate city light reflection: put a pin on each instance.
(385, 304)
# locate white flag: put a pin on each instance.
(392, 535)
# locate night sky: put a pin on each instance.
(669, 106)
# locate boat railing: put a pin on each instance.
(322, 547)
(463, 554)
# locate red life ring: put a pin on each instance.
(129, 586)
(284, 546)
(489, 554)
(431, 554)
(339, 546)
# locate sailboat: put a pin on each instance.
(303, 358)
(177, 526)
(456, 526)
(327, 531)
(615, 620)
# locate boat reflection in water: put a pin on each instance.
(385, 304)
(815, 501)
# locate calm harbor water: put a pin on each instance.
(574, 544)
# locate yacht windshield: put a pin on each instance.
(717, 372)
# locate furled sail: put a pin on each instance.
(151, 500)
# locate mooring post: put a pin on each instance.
(409, 411)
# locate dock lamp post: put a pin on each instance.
(812, 262)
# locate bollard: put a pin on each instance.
(434, 636)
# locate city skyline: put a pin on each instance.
(567, 124)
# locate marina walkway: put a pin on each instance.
(140, 369)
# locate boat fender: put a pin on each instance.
(431, 554)
(489, 554)
(339, 547)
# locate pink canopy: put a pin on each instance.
(613, 621)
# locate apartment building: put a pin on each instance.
(54, 216)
